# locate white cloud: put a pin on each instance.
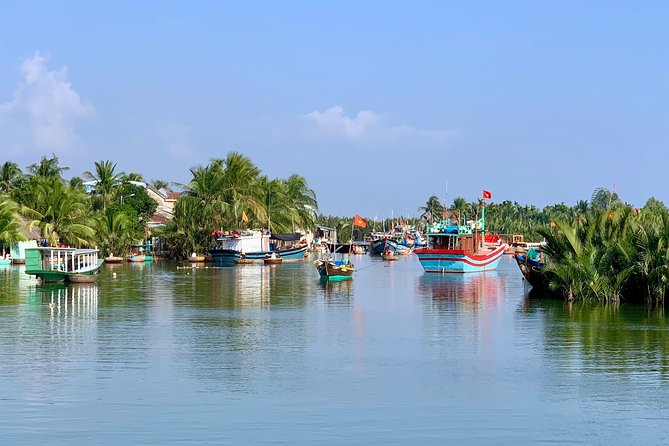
(43, 109)
(370, 127)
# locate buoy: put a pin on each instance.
(114, 275)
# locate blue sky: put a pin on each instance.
(378, 104)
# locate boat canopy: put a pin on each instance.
(294, 237)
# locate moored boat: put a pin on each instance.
(255, 245)
(113, 259)
(379, 245)
(389, 255)
(531, 264)
(62, 264)
(460, 248)
(334, 269)
(136, 257)
(272, 259)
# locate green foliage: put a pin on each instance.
(219, 196)
(10, 222)
(610, 255)
(115, 232)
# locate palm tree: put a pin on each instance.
(433, 206)
(460, 206)
(63, 213)
(47, 168)
(159, 184)
(10, 223)
(114, 232)
(134, 176)
(10, 174)
(303, 199)
(106, 180)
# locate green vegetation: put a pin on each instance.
(231, 193)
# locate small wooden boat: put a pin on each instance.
(243, 260)
(196, 259)
(389, 255)
(82, 278)
(5, 262)
(331, 269)
(531, 264)
(113, 259)
(136, 258)
(62, 264)
(272, 259)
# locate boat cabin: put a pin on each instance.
(67, 260)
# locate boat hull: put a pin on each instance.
(230, 255)
(330, 270)
(55, 276)
(378, 246)
(532, 271)
(458, 261)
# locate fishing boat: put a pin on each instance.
(459, 248)
(255, 245)
(242, 260)
(113, 259)
(382, 242)
(62, 264)
(132, 257)
(389, 255)
(334, 269)
(272, 259)
(531, 264)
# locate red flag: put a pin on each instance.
(487, 194)
(359, 221)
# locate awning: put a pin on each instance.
(295, 236)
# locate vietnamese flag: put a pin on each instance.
(359, 221)
(487, 194)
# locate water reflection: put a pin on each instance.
(338, 292)
(584, 338)
(467, 289)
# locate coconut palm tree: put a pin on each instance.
(10, 223)
(10, 174)
(159, 184)
(114, 232)
(433, 206)
(134, 176)
(459, 206)
(303, 199)
(47, 168)
(63, 213)
(106, 179)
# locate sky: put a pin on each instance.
(378, 104)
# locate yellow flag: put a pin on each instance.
(244, 217)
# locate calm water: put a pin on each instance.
(270, 355)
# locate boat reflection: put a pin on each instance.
(336, 291)
(67, 301)
(470, 289)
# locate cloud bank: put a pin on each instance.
(369, 127)
(43, 110)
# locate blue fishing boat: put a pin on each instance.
(379, 244)
(256, 246)
(460, 248)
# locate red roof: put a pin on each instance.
(173, 195)
(158, 218)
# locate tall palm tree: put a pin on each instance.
(459, 206)
(433, 206)
(10, 223)
(47, 168)
(10, 173)
(106, 179)
(134, 176)
(303, 199)
(159, 184)
(63, 213)
(114, 232)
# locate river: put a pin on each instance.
(156, 354)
